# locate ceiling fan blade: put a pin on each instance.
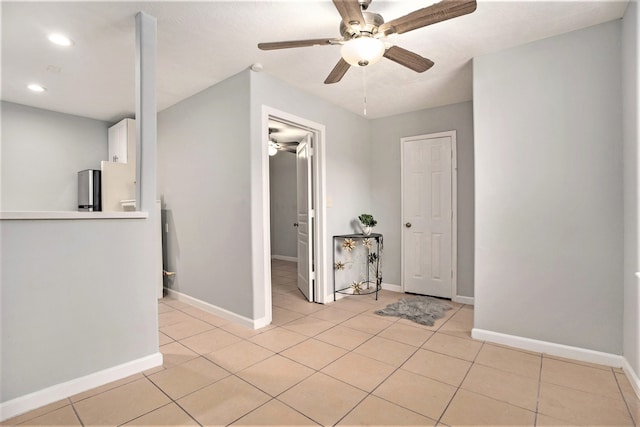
(338, 72)
(297, 43)
(350, 11)
(446, 9)
(408, 59)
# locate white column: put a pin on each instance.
(146, 127)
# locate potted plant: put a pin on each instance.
(367, 222)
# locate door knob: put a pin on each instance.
(408, 225)
(295, 224)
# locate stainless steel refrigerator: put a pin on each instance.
(89, 195)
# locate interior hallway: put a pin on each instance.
(342, 364)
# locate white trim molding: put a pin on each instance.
(553, 349)
(391, 287)
(463, 300)
(320, 239)
(398, 288)
(285, 258)
(632, 376)
(28, 402)
(218, 311)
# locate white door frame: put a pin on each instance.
(319, 198)
(454, 206)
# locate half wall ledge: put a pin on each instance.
(73, 215)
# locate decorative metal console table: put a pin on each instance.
(357, 268)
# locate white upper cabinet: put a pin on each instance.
(122, 142)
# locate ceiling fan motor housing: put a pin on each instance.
(364, 4)
(372, 22)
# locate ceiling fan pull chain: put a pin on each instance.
(364, 85)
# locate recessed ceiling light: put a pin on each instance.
(60, 39)
(36, 87)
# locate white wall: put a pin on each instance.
(282, 190)
(386, 190)
(548, 151)
(203, 180)
(42, 152)
(631, 118)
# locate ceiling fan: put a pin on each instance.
(363, 35)
(278, 144)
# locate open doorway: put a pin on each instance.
(290, 191)
(296, 207)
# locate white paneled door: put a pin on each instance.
(427, 214)
(305, 218)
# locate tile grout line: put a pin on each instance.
(316, 371)
(371, 393)
(444, 411)
(349, 351)
(535, 419)
(396, 370)
(271, 397)
(5, 422)
(76, 413)
(624, 399)
(172, 400)
(570, 387)
(439, 329)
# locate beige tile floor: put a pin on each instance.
(341, 364)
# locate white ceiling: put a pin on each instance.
(202, 43)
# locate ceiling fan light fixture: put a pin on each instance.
(35, 87)
(363, 51)
(273, 148)
(60, 39)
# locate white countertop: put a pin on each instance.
(30, 215)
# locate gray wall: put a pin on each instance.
(386, 189)
(78, 296)
(203, 180)
(548, 151)
(631, 118)
(42, 151)
(347, 161)
(282, 192)
(210, 176)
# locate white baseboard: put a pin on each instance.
(285, 258)
(339, 296)
(560, 350)
(398, 288)
(391, 287)
(28, 402)
(632, 376)
(218, 311)
(463, 300)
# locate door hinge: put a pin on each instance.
(312, 213)
(311, 151)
